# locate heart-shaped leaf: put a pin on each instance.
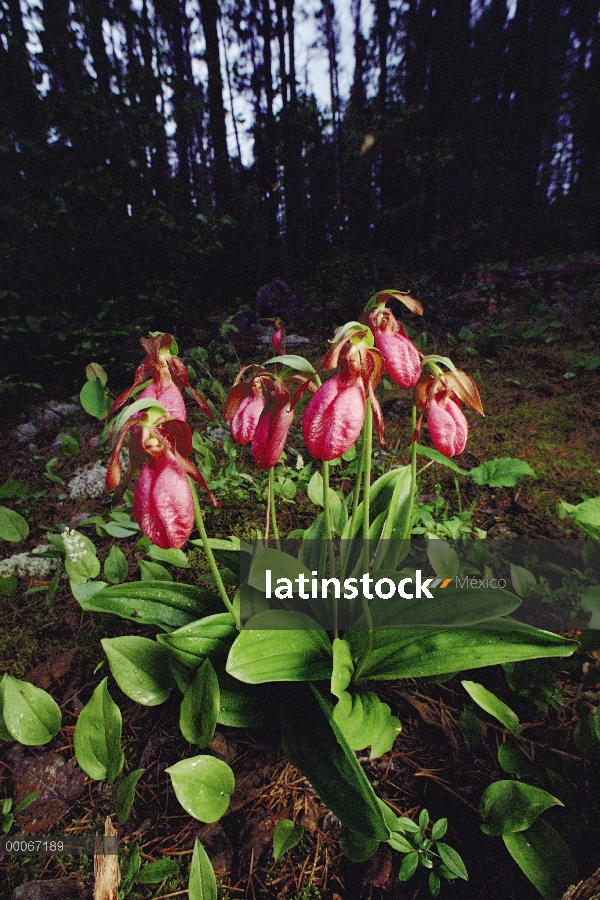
(509, 806)
(203, 785)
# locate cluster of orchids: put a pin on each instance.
(260, 410)
(260, 406)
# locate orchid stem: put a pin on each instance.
(413, 473)
(211, 560)
(368, 449)
(329, 532)
(456, 485)
(271, 504)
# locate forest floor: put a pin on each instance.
(531, 341)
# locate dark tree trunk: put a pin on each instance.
(218, 131)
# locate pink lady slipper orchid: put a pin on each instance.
(260, 410)
(162, 502)
(169, 376)
(335, 414)
(441, 395)
(402, 359)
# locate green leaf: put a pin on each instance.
(30, 714)
(141, 669)
(544, 857)
(280, 565)
(144, 403)
(69, 444)
(494, 706)
(25, 802)
(408, 866)
(423, 819)
(522, 580)
(400, 844)
(203, 785)
(8, 585)
(166, 604)
(81, 562)
(247, 705)
(115, 565)
(439, 829)
(156, 872)
(13, 527)
(120, 529)
(5, 734)
(459, 607)
(95, 370)
(94, 399)
(415, 654)
(13, 489)
(590, 602)
(586, 515)
(434, 884)
(452, 860)
(443, 558)
(225, 552)
(314, 743)
(502, 472)
(363, 718)
(125, 794)
(512, 760)
(200, 706)
(277, 645)
(509, 806)
(285, 837)
(294, 362)
(152, 571)
(97, 737)
(315, 492)
(202, 884)
(438, 457)
(173, 557)
(209, 636)
(358, 848)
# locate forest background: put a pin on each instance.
(470, 132)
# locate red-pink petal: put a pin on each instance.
(402, 358)
(334, 418)
(447, 425)
(162, 502)
(171, 398)
(270, 436)
(245, 419)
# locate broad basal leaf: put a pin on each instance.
(97, 737)
(203, 785)
(141, 668)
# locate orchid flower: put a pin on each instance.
(402, 359)
(162, 504)
(169, 376)
(441, 395)
(335, 414)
